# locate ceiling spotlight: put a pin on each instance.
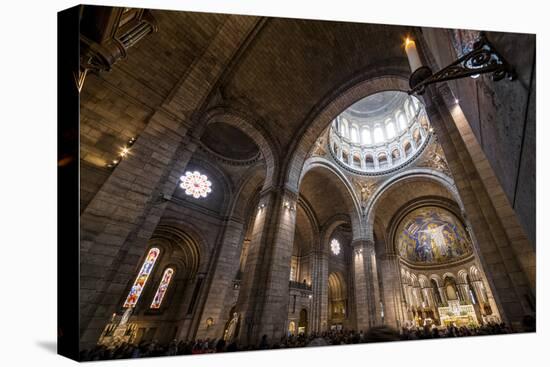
(124, 152)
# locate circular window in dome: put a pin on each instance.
(381, 132)
(430, 236)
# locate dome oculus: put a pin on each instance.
(380, 132)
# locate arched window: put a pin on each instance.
(365, 136)
(142, 277)
(163, 286)
(407, 148)
(382, 160)
(395, 154)
(417, 137)
(354, 135)
(402, 121)
(356, 160)
(344, 128)
(378, 135)
(369, 161)
(390, 130)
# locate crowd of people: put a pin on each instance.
(374, 334)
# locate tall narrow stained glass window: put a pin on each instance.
(142, 277)
(163, 287)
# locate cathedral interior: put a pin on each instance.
(253, 179)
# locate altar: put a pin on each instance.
(457, 314)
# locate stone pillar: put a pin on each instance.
(390, 158)
(264, 295)
(394, 315)
(367, 293)
(422, 131)
(428, 299)
(221, 275)
(464, 291)
(480, 294)
(443, 295)
(116, 226)
(412, 141)
(402, 153)
(505, 254)
(319, 314)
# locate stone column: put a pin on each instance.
(464, 291)
(390, 158)
(367, 293)
(505, 254)
(402, 153)
(412, 141)
(319, 272)
(443, 295)
(264, 294)
(478, 288)
(221, 275)
(428, 299)
(394, 314)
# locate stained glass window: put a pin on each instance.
(335, 246)
(163, 286)
(142, 277)
(196, 184)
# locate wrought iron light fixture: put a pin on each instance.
(483, 59)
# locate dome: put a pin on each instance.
(430, 236)
(379, 133)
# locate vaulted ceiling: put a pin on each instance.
(288, 68)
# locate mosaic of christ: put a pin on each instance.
(432, 235)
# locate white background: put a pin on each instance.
(28, 181)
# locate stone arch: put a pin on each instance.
(353, 204)
(437, 279)
(337, 286)
(475, 274)
(462, 276)
(410, 175)
(424, 281)
(189, 241)
(378, 81)
(242, 206)
(253, 128)
(327, 231)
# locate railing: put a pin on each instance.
(298, 285)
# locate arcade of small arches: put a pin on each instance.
(377, 141)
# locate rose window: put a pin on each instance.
(196, 184)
